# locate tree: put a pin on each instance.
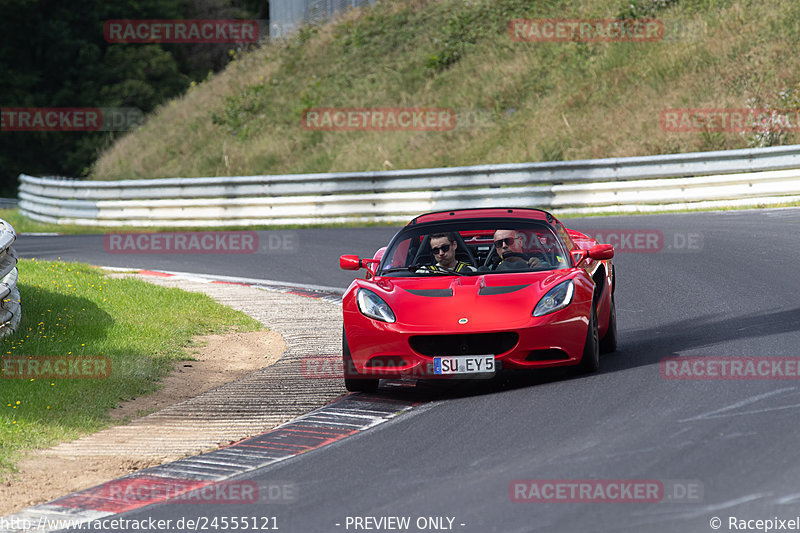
(54, 54)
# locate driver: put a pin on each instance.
(509, 247)
(443, 248)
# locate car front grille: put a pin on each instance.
(464, 344)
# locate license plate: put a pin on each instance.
(463, 364)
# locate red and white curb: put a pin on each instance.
(192, 475)
(321, 292)
(187, 480)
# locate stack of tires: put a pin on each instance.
(10, 307)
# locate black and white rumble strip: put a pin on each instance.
(340, 419)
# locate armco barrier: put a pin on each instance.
(10, 307)
(650, 183)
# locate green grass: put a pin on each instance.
(514, 101)
(72, 309)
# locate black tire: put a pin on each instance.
(608, 343)
(590, 360)
(353, 381)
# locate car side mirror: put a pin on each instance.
(597, 252)
(349, 262)
(601, 251)
(353, 262)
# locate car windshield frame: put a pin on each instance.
(388, 267)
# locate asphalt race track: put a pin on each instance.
(300, 256)
(716, 285)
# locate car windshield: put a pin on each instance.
(468, 248)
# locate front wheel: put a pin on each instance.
(353, 381)
(590, 360)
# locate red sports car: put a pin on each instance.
(466, 293)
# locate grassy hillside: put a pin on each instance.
(514, 101)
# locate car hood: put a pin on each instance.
(475, 302)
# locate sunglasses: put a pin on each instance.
(508, 240)
(441, 249)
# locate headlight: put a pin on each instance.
(373, 306)
(556, 298)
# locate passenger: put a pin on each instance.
(443, 248)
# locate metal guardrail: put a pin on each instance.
(10, 304)
(649, 183)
